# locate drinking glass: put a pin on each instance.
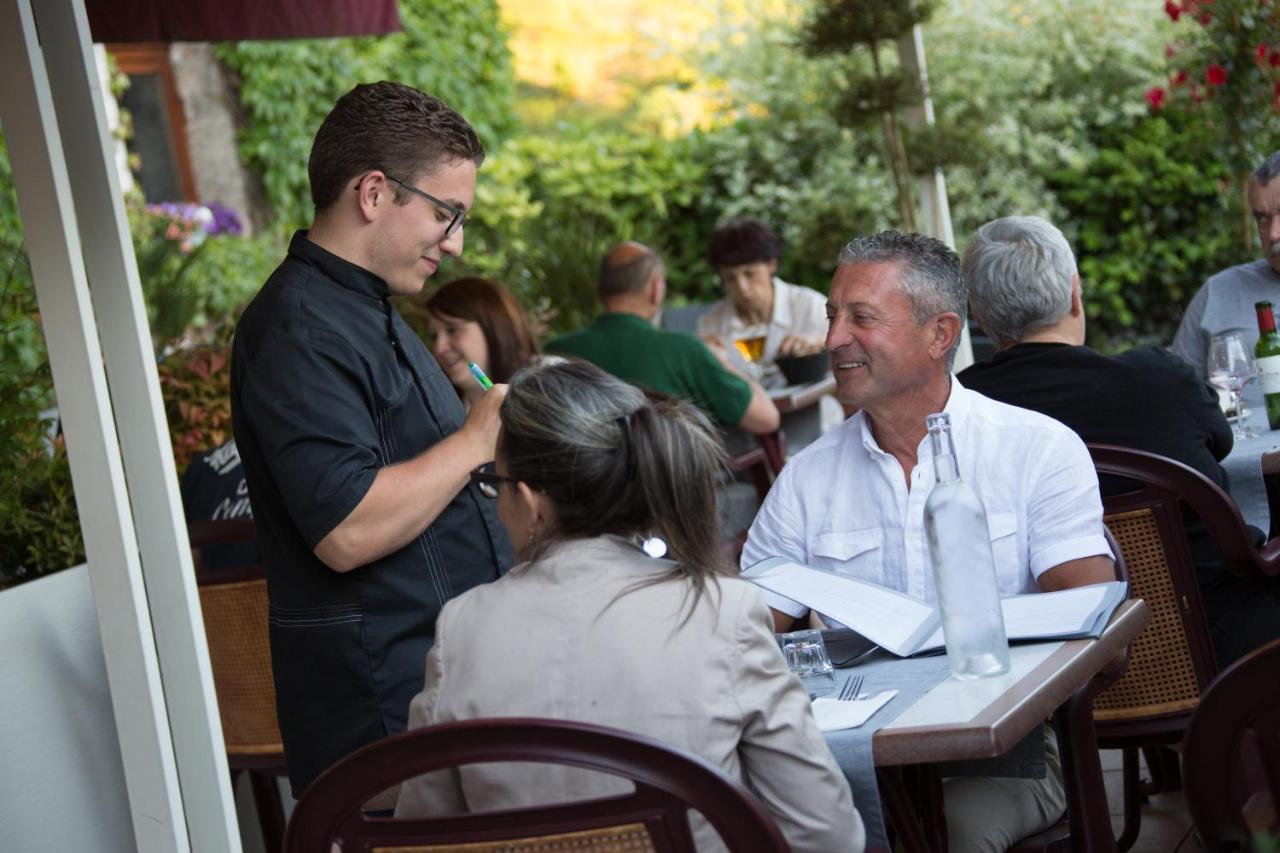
(750, 345)
(806, 656)
(1231, 366)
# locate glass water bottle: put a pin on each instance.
(955, 524)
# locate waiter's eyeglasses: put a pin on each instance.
(460, 218)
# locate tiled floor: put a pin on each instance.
(1166, 825)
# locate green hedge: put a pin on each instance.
(1150, 217)
(454, 49)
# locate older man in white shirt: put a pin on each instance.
(854, 500)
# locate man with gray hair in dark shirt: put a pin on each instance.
(1026, 293)
(356, 450)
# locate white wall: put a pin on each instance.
(62, 783)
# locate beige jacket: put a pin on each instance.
(559, 638)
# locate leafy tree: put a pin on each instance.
(1149, 222)
(1225, 67)
(840, 27)
(453, 49)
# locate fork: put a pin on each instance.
(849, 692)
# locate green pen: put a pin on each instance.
(484, 381)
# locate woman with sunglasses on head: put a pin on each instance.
(594, 482)
(478, 319)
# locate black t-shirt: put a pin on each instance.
(1144, 398)
(329, 385)
(213, 488)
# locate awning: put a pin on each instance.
(116, 21)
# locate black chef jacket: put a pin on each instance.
(329, 385)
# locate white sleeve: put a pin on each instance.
(810, 313)
(1064, 510)
(777, 532)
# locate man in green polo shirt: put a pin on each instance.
(623, 341)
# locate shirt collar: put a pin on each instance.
(619, 318)
(342, 271)
(959, 401)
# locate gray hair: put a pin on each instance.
(931, 276)
(1019, 270)
(613, 459)
(1269, 169)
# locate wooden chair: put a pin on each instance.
(764, 462)
(234, 604)
(653, 817)
(1173, 661)
(1232, 753)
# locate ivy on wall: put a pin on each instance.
(453, 49)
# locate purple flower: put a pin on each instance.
(224, 221)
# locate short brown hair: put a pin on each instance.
(387, 126)
(501, 318)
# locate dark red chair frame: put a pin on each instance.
(1232, 752)
(1163, 486)
(668, 782)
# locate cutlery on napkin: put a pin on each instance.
(834, 714)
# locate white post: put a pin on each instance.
(138, 408)
(933, 188)
(47, 199)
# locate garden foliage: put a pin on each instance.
(454, 49)
(1040, 110)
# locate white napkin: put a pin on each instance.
(833, 715)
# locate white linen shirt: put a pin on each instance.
(797, 310)
(842, 503)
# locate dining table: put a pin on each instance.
(896, 760)
(1253, 466)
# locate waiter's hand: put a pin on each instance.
(483, 423)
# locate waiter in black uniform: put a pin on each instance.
(355, 446)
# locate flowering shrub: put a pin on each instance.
(197, 399)
(1228, 66)
(168, 238)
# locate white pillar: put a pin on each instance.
(54, 121)
(932, 188)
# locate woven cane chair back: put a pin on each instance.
(1172, 661)
(1161, 678)
(234, 604)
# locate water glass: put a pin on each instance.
(806, 656)
(1231, 366)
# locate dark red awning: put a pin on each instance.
(117, 21)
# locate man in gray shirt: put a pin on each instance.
(1225, 302)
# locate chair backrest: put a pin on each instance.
(234, 604)
(1231, 758)
(1172, 660)
(668, 782)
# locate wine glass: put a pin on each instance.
(1231, 366)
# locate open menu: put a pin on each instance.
(906, 626)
